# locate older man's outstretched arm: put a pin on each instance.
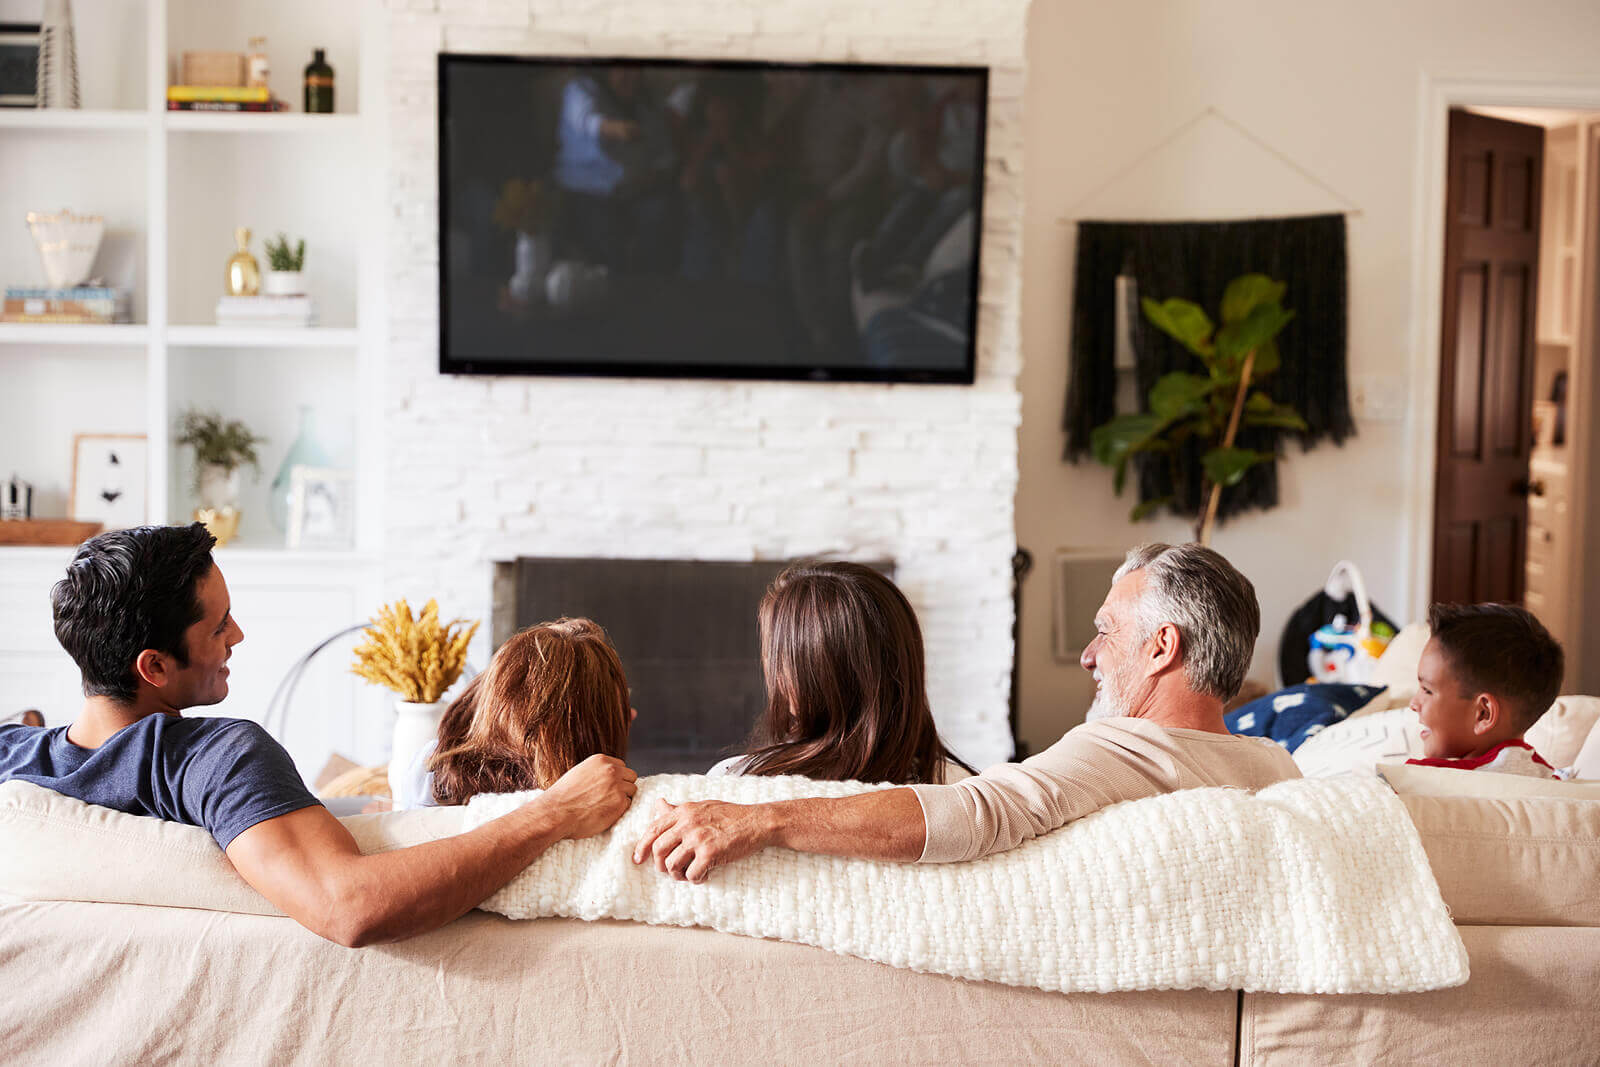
(1093, 766)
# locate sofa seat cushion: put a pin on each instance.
(1530, 861)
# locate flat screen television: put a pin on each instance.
(709, 219)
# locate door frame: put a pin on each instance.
(1436, 96)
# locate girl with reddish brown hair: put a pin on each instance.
(846, 683)
(552, 696)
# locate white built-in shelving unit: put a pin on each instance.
(172, 187)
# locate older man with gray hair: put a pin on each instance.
(1172, 644)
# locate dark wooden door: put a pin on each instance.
(1491, 267)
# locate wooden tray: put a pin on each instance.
(46, 531)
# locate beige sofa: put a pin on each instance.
(124, 940)
(91, 981)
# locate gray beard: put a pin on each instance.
(1104, 706)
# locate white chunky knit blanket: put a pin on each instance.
(1309, 886)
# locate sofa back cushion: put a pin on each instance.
(54, 847)
(1516, 861)
(1506, 860)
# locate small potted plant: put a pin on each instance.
(221, 447)
(285, 265)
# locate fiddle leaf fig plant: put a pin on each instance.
(1209, 406)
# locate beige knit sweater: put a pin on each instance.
(1093, 766)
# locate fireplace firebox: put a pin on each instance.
(687, 635)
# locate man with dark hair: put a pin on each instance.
(145, 614)
(1173, 643)
(1487, 674)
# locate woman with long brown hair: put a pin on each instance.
(552, 696)
(847, 694)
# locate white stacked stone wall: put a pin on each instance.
(486, 469)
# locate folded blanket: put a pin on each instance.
(1305, 887)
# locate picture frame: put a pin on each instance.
(20, 43)
(109, 479)
(322, 508)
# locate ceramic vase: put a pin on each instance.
(219, 486)
(284, 283)
(414, 726)
(67, 244)
(243, 276)
(306, 451)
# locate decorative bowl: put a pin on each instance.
(67, 244)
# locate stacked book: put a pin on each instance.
(80, 304)
(266, 311)
(222, 98)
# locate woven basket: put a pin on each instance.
(212, 68)
(358, 782)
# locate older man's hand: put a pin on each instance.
(687, 840)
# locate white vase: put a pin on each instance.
(219, 486)
(414, 726)
(67, 245)
(284, 283)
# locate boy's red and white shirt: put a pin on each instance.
(1512, 757)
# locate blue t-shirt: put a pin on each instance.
(223, 774)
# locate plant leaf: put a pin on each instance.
(1115, 442)
(1236, 340)
(1148, 508)
(1184, 321)
(1276, 422)
(1258, 403)
(1227, 466)
(1278, 416)
(1180, 394)
(1248, 291)
(1110, 441)
(1267, 361)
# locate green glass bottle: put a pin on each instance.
(319, 86)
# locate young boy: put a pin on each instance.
(1487, 674)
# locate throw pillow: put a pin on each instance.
(1587, 762)
(1291, 716)
(1355, 746)
(1560, 733)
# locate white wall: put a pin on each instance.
(486, 469)
(1335, 87)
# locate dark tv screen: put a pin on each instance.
(709, 219)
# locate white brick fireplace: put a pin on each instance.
(486, 469)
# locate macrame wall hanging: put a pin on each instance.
(1195, 261)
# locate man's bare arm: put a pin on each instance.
(307, 864)
(687, 840)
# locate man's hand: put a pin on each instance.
(687, 840)
(592, 796)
